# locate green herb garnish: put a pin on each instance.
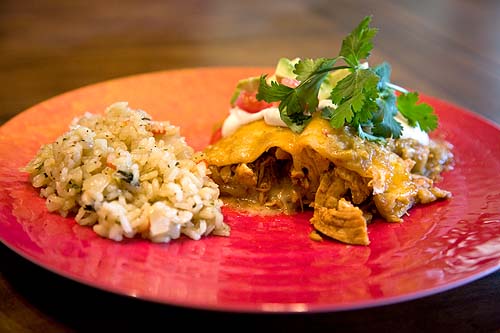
(365, 99)
(421, 114)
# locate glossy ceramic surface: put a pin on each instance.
(268, 264)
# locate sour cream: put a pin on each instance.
(238, 117)
(410, 132)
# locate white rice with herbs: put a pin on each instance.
(126, 175)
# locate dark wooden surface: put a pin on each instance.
(448, 49)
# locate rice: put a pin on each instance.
(126, 175)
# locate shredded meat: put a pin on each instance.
(346, 180)
(266, 181)
(359, 186)
(245, 175)
(336, 217)
(426, 191)
(345, 223)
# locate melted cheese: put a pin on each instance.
(389, 174)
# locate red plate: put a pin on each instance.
(268, 264)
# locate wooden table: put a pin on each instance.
(448, 49)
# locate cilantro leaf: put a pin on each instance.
(308, 69)
(355, 95)
(298, 104)
(291, 107)
(311, 74)
(296, 122)
(384, 73)
(421, 114)
(384, 124)
(358, 44)
(272, 93)
(327, 112)
(367, 136)
(365, 99)
(352, 94)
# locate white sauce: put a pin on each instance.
(238, 117)
(412, 132)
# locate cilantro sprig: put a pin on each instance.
(365, 99)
